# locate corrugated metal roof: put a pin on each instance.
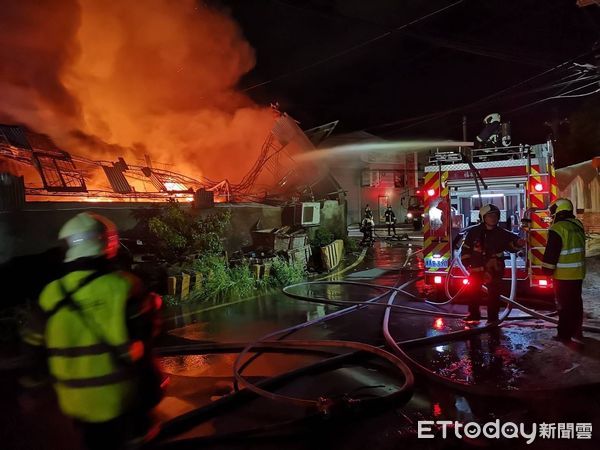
(117, 180)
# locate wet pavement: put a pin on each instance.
(520, 356)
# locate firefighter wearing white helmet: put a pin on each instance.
(495, 133)
(96, 325)
(483, 254)
(491, 118)
(564, 259)
(89, 235)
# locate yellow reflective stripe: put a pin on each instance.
(572, 251)
(34, 339)
(569, 265)
(549, 266)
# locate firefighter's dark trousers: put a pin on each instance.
(367, 236)
(570, 307)
(493, 298)
(391, 226)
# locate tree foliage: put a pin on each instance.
(178, 233)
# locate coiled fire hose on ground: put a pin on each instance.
(324, 405)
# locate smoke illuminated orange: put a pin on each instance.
(157, 77)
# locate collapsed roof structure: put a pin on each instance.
(67, 176)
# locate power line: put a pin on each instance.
(493, 95)
(476, 50)
(560, 96)
(560, 82)
(353, 48)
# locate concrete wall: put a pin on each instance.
(333, 219)
(349, 180)
(35, 228)
(243, 219)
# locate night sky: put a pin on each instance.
(469, 51)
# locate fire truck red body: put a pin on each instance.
(519, 180)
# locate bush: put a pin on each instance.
(351, 245)
(242, 280)
(178, 233)
(284, 273)
(322, 237)
(216, 279)
(219, 280)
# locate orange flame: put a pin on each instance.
(108, 79)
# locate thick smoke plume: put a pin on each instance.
(124, 78)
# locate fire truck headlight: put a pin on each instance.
(409, 215)
(435, 214)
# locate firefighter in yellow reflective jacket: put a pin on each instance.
(564, 259)
(96, 326)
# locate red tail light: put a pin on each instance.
(543, 282)
(465, 281)
(437, 279)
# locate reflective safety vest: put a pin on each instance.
(87, 344)
(571, 262)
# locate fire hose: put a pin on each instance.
(324, 405)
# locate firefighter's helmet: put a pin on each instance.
(491, 118)
(560, 205)
(89, 235)
(488, 209)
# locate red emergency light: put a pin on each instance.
(437, 279)
(431, 192)
(543, 282)
(465, 281)
(539, 187)
(438, 324)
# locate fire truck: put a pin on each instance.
(414, 213)
(519, 180)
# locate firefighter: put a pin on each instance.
(564, 259)
(491, 131)
(366, 227)
(390, 220)
(94, 327)
(483, 253)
